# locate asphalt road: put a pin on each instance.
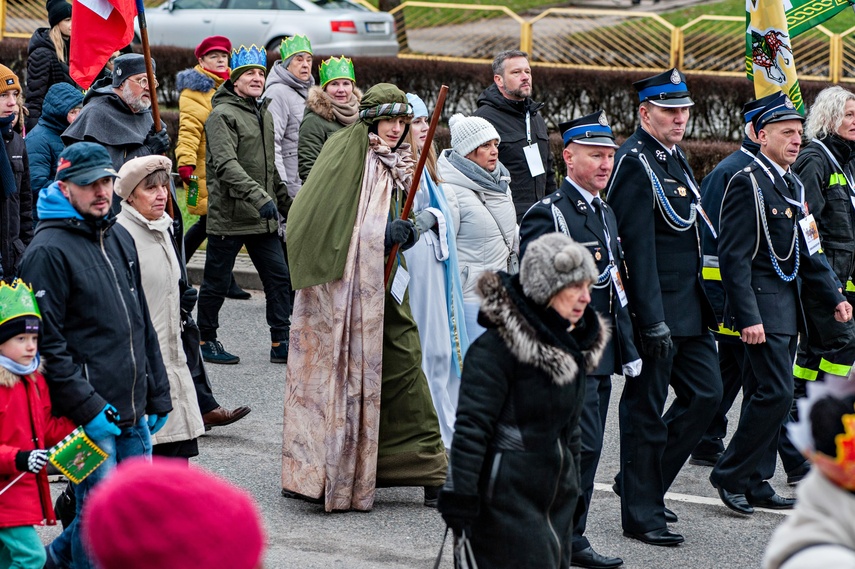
(400, 532)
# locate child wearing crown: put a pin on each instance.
(27, 428)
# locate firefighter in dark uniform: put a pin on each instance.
(826, 169)
(767, 246)
(577, 210)
(657, 203)
(731, 351)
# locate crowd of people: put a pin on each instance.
(467, 348)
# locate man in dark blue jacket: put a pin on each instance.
(101, 355)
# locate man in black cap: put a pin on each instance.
(524, 146)
(657, 203)
(118, 116)
(731, 351)
(577, 210)
(768, 245)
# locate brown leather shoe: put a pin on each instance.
(221, 416)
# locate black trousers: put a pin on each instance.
(749, 460)
(598, 389)
(654, 446)
(265, 251)
(195, 236)
(829, 345)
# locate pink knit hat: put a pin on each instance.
(167, 515)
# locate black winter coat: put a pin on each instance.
(509, 119)
(99, 345)
(16, 211)
(43, 70)
(514, 470)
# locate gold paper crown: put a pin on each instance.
(17, 300)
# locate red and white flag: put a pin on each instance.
(101, 27)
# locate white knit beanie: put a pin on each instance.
(552, 262)
(468, 133)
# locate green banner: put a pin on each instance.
(805, 14)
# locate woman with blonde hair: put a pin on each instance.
(47, 58)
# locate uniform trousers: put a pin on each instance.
(829, 345)
(598, 389)
(749, 460)
(654, 446)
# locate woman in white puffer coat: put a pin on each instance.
(477, 186)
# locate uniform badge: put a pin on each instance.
(597, 255)
(635, 149)
(660, 155)
(581, 206)
(603, 120)
(789, 104)
(774, 211)
(675, 77)
(789, 213)
(546, 201)
(682, 191)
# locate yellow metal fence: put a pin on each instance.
(565, 37)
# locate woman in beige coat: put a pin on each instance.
(144, 187)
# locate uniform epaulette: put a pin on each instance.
(552, 198)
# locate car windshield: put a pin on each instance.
(338, 5)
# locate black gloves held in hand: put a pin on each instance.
(31, 461)
(188, 299)
(402, 232)
(656, 340)
(157, 142)
(458, 510)
(268, 211)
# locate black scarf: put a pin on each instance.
(7, 176)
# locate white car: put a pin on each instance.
(335, 27)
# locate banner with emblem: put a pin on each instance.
(803, 15)
(770, 63)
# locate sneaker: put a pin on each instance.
(279, 352)
(237, 293)
(432, 496)
(214, 353)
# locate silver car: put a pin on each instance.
(335, 27)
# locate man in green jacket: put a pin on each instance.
(245, 198)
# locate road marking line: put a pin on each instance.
(694, 500)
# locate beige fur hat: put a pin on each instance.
(552, 262)
(134, 171)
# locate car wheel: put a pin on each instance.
(274, 44)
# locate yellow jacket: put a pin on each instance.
(197, 86)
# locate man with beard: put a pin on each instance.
(118, 115)
(524, 146)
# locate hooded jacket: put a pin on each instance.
(517, 442)
(509, 119)
(43, 70)
(318, 125)
(287, 96)
(25, 418)
(44, 144)
(197, 87)
(16, 210)
(99, 345)
(239, 156)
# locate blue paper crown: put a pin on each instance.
(252, 56)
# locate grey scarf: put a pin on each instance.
(495, 181)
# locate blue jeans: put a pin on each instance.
(67, 550)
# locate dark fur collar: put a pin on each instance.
(194, 80)
(535, 335)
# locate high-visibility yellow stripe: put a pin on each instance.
(804, 373)
(850, 286)
(725, 331)
(837, 179)
(834, 369)
(711, 273)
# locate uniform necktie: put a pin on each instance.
(791, 183)
(597, 205)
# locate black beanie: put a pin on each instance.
(58, 10)
(19, 325)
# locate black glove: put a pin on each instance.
(31, 461)
(268, 211)
(656, 340)
(157, 142)
(458, 510)
(425, 221)
(402, 232)
(188, 299)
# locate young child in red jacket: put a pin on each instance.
(27, 428)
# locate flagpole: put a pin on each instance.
(149, 71)
(12, 483)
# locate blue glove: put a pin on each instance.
(156, 422)
(104, 424)
(268, 211)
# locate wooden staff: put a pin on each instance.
(417, 175)
(149, 71)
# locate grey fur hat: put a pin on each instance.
(552, 262)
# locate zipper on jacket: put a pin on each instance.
(130, 326)
(554, 496)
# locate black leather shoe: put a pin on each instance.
(736, 502)
(796, 475)
(775, 502)
(663, 537)
(670, 516)
(593, 560)
(704, 459)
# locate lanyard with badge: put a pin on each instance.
(613, 270)
(532, 151)
(807, 223)
(836, 164)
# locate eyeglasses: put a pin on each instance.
(143, 82)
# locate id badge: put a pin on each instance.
(399, 284)
(532, 156)
(811, 234)
(621, 293)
